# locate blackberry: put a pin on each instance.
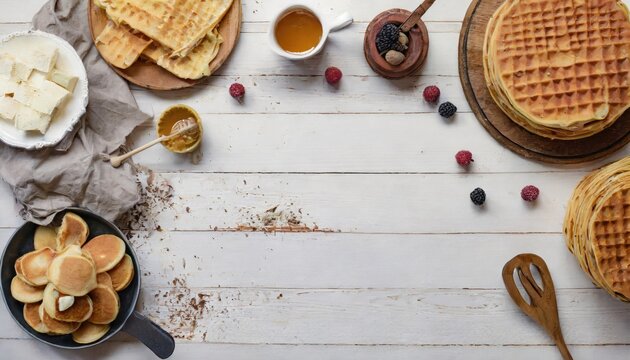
(387, 39)
(478, 196)
(447, 110)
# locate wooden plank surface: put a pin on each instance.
(334, 224)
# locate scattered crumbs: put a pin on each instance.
(185, 311)
(274, 219)
(156, 196)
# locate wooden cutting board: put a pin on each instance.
(502, 128)
(149, 75)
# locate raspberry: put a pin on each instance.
(478, 196)
(447, 110)
(237, 91)
(431, 94)
(464, 158)
(333, 75)
(530, 193)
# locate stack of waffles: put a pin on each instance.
(597, 227)
(179, 35)
(559, 68)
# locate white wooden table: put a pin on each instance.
(396, 262)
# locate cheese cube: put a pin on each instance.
(47, 97)
(37, 78)
(6, 67)
(28, 119)
(24, 94)
(7, 87)
(64, 80)
(8, 108)
(21, 71)
(42, 59)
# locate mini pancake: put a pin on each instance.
(106, 250)
(122, 274)
(31, 316)
(45, 236)
(89, 333)
(80, 311)
(104, 279)
(56, 327)
(24, 292)
(34, 265)
(106, 305)
(73, 272)
(73, 231)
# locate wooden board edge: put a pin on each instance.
(191, 83)
(494, 132)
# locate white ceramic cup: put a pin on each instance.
(339, 23)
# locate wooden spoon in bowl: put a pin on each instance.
(184, 126)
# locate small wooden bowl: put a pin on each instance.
(169, 117)
(416, 53)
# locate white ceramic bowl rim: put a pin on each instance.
(297, 56)
(81, 90)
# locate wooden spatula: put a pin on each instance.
(542, 307)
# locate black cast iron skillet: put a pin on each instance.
(128, 320)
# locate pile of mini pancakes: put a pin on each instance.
(559, 68)
(597, 227)
(68, 285)
(180, 36)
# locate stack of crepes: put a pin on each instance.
(597, 227)
(179, 35)
(559, 68)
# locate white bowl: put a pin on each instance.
(69, 113)
(339, 23)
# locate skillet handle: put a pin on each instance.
(151, 335)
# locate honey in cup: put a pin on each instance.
(298, 31)
(187, 142)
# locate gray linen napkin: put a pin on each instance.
(73, 173)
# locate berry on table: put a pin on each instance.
(478, 196)
(464, 158)
(237, 91)
(431, 94)
(447, 110)
(530, 193)
(333, 75)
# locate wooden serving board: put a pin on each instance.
(501, 127)
(149, 75)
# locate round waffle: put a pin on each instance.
(106, 304)
(73, 231)
(73, 272)
(89, 333)
(31, 316)
(24, 292)
(122, 274)
(80, 310)
(106, 250)
(559, 68)
(597, 227)
(32, 267)
(45, 236)
(56, 327)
